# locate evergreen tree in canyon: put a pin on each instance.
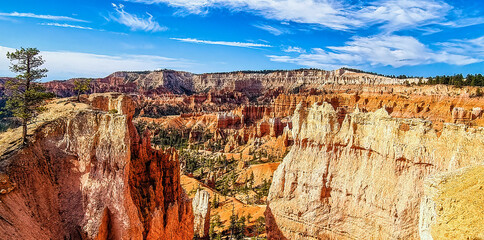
(82, 86)
(25, 96)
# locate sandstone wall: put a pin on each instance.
(361, 178)
(88, 175)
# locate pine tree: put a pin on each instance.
(260, 226)
(25, 96)
(81, 86)
(237, 226)
(215, 201)
(215, 222)
(251, 180)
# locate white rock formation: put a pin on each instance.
(363, 178)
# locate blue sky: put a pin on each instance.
(93, 38)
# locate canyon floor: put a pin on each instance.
(274, 156)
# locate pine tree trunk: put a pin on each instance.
(24, 131)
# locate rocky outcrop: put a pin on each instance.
(201, 212)
(273, 127)
(88, 175)
(361, 178)
(451, 205)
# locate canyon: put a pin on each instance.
(303, 154)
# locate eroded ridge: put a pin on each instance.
(88, 175)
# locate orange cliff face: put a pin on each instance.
(88, 175)
(438, 104)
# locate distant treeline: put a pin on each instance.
(458, 80)
(267, 71)
(378, 74)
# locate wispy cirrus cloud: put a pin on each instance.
(389, 15)
(69, 64)
(224, 43)
(381, 50)
(40, 16)
(134, 22)
(272, 30)
(464, 46)
(66, 25)
(464, 22)
(327, 13)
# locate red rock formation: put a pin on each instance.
(250, 114)
(227, 120)
(88, 175)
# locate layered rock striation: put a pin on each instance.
(436, 108)
(88, 175)
(362, 177)
(251, 83)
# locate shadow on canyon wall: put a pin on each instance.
(272, 230)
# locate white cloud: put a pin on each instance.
(134, 22)
(381, 50)
(65, 25)
(64, 64)
(272, 30)
(46, 17)
(465, 46)
(291, 49)
(390, 15)
(404, 14)
(324, 12)
(224, 43)
(464, 22)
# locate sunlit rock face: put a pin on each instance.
(88, 175)
(451, 205)
(201, 212)
(362, 177)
